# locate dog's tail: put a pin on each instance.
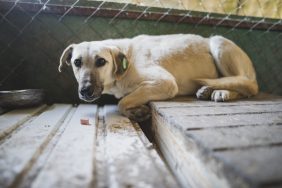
(240, 84)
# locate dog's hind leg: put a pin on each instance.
(238, 75)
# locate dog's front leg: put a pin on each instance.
(134, 104)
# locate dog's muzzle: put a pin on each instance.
(88, 94)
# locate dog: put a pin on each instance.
(147, 68)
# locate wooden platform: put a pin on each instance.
(205, 144)
(48, 147)
(234, 144)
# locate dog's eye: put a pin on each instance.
(100, 62)
(77, 62)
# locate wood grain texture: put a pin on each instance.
(18, 151)
(13, 119)
(198, 122)
(237, 137)
(53, 149)
(222, 110)
(238, 143)
(129, 162)
(71, 162)
(184, 158)
(188, 102)
(261, 166)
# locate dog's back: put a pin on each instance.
(191, 57)
(185, 56)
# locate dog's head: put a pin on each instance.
(95, 67)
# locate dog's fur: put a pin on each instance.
(147, 68)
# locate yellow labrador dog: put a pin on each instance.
(146, 68)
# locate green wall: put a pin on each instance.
(30, 59)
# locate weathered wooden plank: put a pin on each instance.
(186, 161)
(237, 137)
(207, 145)
(195, 103)
(262, 166)
(221, 110)
(129, 162)
(19, 151)
(187, 102)
(199, 122)
(30, 174)
(13, 119)
(71, 162)
(159, 162)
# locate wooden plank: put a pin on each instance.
(188, 164)
(160, 166)
(261, 99)
(237, 137)
(262, 166)
(197, 103)
(71, 161)
(222, 110)
(13, 119)
(30, 175)
(18, 152)
(199, 122)
(129, 162)
(207, 145)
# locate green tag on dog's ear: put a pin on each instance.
(124, 63)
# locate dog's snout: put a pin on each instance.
(86, 91)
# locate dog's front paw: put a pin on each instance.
(138, 114)
(224, 95)
(204, 93)
(220, 95)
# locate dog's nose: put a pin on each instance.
(86, 91)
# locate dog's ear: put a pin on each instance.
(65, 57)
(121, 63)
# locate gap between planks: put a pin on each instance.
(124, 156)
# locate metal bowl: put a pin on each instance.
(21, 98)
